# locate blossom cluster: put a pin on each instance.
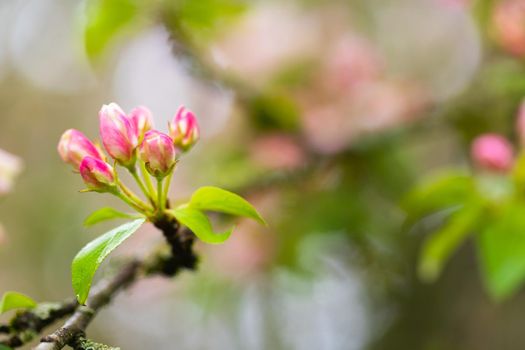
(132, 142)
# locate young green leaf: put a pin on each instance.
(217, 199)
(437, 193)
(104, 20)
(87, 261)
(501, 249)
(440, 245)
(15, 300)
(199, 224)
(106, 213)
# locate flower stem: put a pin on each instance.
(147, 178)
(144, 207)
(160, 193)
(128, 201)
(167, 186)
(137, 178)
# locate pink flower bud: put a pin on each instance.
(142, 121)
(158, 152)
(74, 146)
(97, 174)
(118, 133)
(184, 129)
(492, 152)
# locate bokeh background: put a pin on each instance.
(323, 113)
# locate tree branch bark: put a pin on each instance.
(26, 325)
(76, 325)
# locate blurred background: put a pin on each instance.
(324, 114)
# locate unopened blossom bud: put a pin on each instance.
(74, 146)
(158, 152)
(142, 121)
(118, 133)
(492, 152)
(184, 129)
(97, 174)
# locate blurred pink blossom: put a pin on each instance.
(10, 167)
(509, 25)
(330, 126)
(492, 152)
(351, 62)
(277, 151)
(275, 33)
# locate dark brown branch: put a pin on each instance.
(181, 243)
(27, 325)
(76, 325)
(181, 257)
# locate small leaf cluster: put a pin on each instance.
(488, 208)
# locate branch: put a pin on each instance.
(25, 326)
(76, 325)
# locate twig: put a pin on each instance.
(182, 257)
(25, 326)
(76, 325)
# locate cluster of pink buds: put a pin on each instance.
(132, 143)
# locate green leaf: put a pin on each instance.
(106, 213)
(15, 300)
(3, 347)
(199, 224)
(216, 199)
(105, 19)
(203, 19)
(440, 245)
(501, 248)
(87, 261)
(438, 193)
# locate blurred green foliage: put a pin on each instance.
(201, 19)
(105, 19)
(14, 300)
(274, 111)
(487, 205)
